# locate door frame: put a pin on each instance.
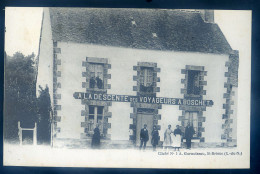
(137, 141)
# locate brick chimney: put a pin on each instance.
(207, 15)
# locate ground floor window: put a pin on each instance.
(192, 118)
(95, 117)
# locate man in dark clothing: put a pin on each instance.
(144, 137)
(92, 82)
(99, 82)
(189, 131)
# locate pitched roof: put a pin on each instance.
(138, 28)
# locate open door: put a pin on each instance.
(141, 120)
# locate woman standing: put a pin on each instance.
(167, 137)
(95, 144)
(177, 138)
(155, 138)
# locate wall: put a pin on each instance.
(234, 115)
(45, 64)
(122, 61)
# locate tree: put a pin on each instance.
(19, 94)
(20, 102)
(44, 116)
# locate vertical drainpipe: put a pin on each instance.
(52, 122)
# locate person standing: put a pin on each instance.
(99, 82)
(177, 138)
(144, 137)
(95, 144)
(167, 137)
(189, 132)
(155, 138)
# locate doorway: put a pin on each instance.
(144, 118)
(192, 118)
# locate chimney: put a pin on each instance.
(207, 15)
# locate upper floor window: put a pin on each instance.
(96, 75)
(146, 80)
(193, 86)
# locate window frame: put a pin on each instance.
(146, 77)
(192, 93)
(191, 120)
(95, 67)
(92, 124)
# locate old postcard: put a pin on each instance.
(132, 88)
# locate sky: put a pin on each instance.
(23, 29)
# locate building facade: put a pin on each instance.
(120, 69)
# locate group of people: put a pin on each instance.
(172, 138)
(144, 137)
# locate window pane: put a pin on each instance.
(92, 74)
(146, 80)
(142, 72)
(196, 80)
(149, 72)
(92, 67)
(100, 110)
(193, 82)
(187, 115)
(148, 84)
(99, 67)
(91, 124)
(150, 79)
(96, 75)
(142, 79)
(99, 119)
(91, 110)
(100, 75)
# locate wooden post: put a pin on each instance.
(35, 134)
(20, 133)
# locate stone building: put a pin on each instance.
(122, 68)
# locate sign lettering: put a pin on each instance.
(143, 99)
